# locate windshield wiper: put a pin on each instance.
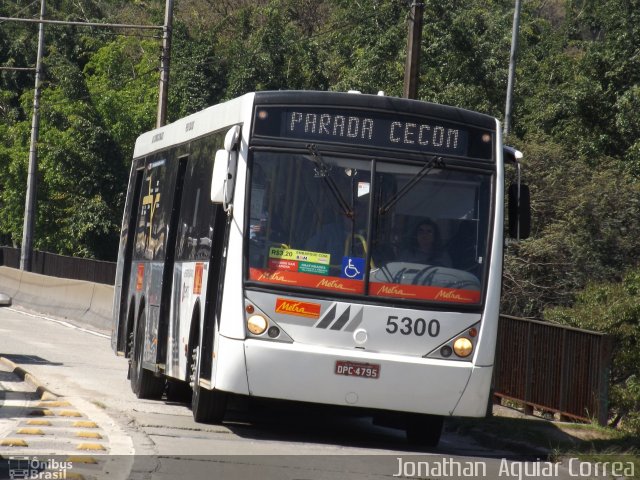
(322, 171)
(433, 163)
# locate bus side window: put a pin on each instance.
(195, 234)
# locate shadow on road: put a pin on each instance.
(259, 419)
(29, 360)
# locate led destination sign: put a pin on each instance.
(372, 129)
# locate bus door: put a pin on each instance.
(222, 182)
(215, 286)
(121, 303)
(169, 261)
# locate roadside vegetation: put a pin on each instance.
(576, 118)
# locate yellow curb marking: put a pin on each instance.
(30, 431)
(69, 413)
(44, 423)
(13, 442)
(82, 459)
(52, 404)
(90, 446)
(85, 424)
(88, 435)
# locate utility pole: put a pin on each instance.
(412, 65)
(30, 199)
(163, 94)
(512, 68)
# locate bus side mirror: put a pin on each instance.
(219, 176)
(224, 168)
(519, 211)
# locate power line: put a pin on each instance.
(81, 24)
(19, 69)
(137, 35)
(119, 34)
(25, 8)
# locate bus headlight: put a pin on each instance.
(463, 347)
(257, 324)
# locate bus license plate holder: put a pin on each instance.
(357, 369)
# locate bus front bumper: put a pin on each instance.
(406, 384)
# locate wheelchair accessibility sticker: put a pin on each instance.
(353, 268)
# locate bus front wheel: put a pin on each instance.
(424, 430)
(208, 406)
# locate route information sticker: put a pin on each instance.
(299, 255)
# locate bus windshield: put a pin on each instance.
(316, 218)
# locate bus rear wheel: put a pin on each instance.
(208, 406)
(424, 430)
(143, 382)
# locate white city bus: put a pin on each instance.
(334, 248)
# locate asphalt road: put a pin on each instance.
(97, 424)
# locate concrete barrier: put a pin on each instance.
(10, 280)
(85, 302)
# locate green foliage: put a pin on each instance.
(197, 79)
(466, 53)
(580, 77)
(122, 81)
(586, 226)
(267, 51)
(364, 46)
(78, 196)
(613, 308)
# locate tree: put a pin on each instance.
(586, 225)
(364, 45)
(267, 51)
(122, 81)
(80, 170)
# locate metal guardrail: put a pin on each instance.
(553, 368)
(53, 265)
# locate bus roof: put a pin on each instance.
(210, 119)
(377, 102)
(239, 109)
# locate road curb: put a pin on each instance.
(42, 391)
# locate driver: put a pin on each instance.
(425, 246)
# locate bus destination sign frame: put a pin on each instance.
(362, 128)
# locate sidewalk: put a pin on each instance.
(70, 436)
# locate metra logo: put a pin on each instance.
(275, 277)
(393, 290)
(442, 295)
(333, 284)
(301, 309)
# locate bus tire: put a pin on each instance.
(424, 430)
(143, 382)
(208, 406)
